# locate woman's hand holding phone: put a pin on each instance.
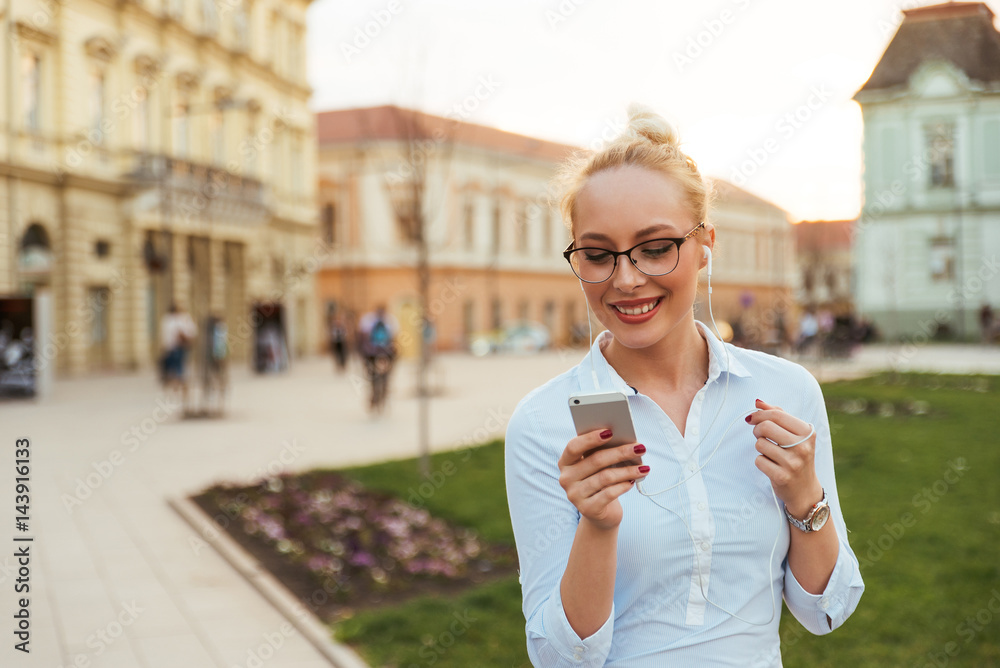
(594, 476)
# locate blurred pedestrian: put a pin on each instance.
(177, 333)
(338, 342)
(986, 324)
(377, 344)
(808, 330)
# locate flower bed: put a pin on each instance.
(340, 546)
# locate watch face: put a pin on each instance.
(820, 517)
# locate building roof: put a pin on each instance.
(961, 33)
(390, 122)
(728, 193)
(824, 235)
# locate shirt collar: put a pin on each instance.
(595, 362)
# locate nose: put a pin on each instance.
(626, 277)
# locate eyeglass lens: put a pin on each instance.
(654, 258)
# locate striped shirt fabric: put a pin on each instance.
(660, 616)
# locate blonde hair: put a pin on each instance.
(650, 142)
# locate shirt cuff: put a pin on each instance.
(590, 651)
(821, 613)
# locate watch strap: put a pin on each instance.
(805, 525)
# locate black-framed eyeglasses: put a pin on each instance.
(655, 257)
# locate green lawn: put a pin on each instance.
(917, 459)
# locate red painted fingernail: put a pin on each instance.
(758, 401)
(631, 482)
(606, 433)
(748, 419)
(643, 469)
(639, 449)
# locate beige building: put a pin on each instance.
(156, 151)
(495, 235)
(825, 264)
(754, 267)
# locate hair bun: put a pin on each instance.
(648, 124)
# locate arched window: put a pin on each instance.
(35, 255)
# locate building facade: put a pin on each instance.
(157, 152)
(929, 233)
(754, 268)
(494, 231)
(825, 258)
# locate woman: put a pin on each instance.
(679, 555)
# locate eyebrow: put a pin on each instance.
(641, 233)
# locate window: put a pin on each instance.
(497, 313)
(469, 222)
(406, 215)
(941, 153)
(274, 43)
(219, 134)
(549, 316)
(522, 229)
(31, 91)
(328, 223)
(295, 161)
(548, 222)
(102, 248)
(182, 113)
(97, 95)
(250, 148)
(140, 119)
(991, 147)
(497, 213)
(942, 258)
(468, 318)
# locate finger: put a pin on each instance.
(789, 422)
(760, 403)
(606, 495)
(774, 433)
(615, 458)
(777, 475)
(629, 453)
(580, 445)
(604, 478)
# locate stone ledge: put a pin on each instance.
(311, 628)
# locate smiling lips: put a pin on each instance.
(636, 308)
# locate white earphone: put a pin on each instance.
(708, 256)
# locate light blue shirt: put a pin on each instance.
(660, 616)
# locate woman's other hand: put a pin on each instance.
(792, 471)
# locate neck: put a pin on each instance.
(677, 360)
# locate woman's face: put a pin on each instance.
(617, 209)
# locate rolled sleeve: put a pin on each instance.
(544, 523)
(822, 613)
(555, 643)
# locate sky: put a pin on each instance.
(760, 91)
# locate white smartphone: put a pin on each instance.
(603, 410)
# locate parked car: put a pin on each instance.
(518, 337)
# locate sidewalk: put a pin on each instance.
(119, 580)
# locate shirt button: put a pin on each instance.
(824, 603)
(705, 546)
(692, 467)
(702, 506)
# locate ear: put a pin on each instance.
(708, 244)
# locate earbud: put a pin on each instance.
(708, 256)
